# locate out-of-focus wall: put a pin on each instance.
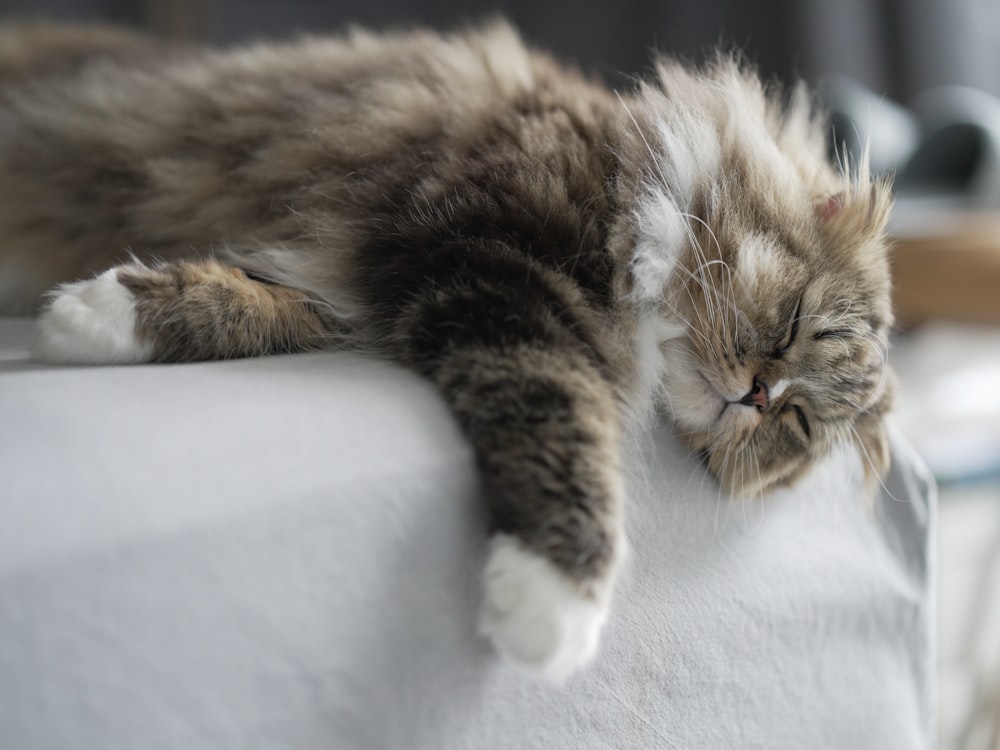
(897, 47)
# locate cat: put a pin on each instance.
(564, 262)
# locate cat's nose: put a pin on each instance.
(758, 395)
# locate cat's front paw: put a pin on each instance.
(535, 615)
(91, 322)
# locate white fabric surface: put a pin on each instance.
(283, 553)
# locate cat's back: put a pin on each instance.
(159, 114)
(127, 88)
(111, 142)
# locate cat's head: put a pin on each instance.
(773, 264)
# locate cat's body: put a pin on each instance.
(557, 259)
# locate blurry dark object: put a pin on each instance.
(859, 116)
(946, 145)
(944, 155)
(961, 149)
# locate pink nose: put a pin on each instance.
(758, 396)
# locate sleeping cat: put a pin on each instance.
(561, 261)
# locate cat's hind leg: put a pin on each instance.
(177, 312)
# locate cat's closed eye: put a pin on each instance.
(838, 333)
(799, 415)
(793, 331)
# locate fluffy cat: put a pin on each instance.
(560, 260)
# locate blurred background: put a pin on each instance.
(896, 47)
(917, 79)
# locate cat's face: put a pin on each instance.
(769, 266)
(785, 305)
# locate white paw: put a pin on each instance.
(535, 615)
(91, 322)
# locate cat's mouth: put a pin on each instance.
(751, 399)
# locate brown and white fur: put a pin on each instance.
(560, 260)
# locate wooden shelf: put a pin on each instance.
(952, 273)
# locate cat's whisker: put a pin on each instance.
(882, 351)
(727, 457)
(748, 487)
(846, 302)
(708, 228)
(654, 158)
(697, 310)
(873, 469)
(719, 297)
(880, 346)
(690, 328)
(676, 315)
(698, 250)
(824, 319)
(709, 293)
(843, 341)
(759, 489)
(730, 294)
(723, 472)
(707, 288)
(726, 300)
(743, 492)
(718, 509)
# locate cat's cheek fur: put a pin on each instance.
(689, 399)
(91, 322)
(535, 615)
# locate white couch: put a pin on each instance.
(284, 553)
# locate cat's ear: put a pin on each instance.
(862, 211)
(827, 208)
